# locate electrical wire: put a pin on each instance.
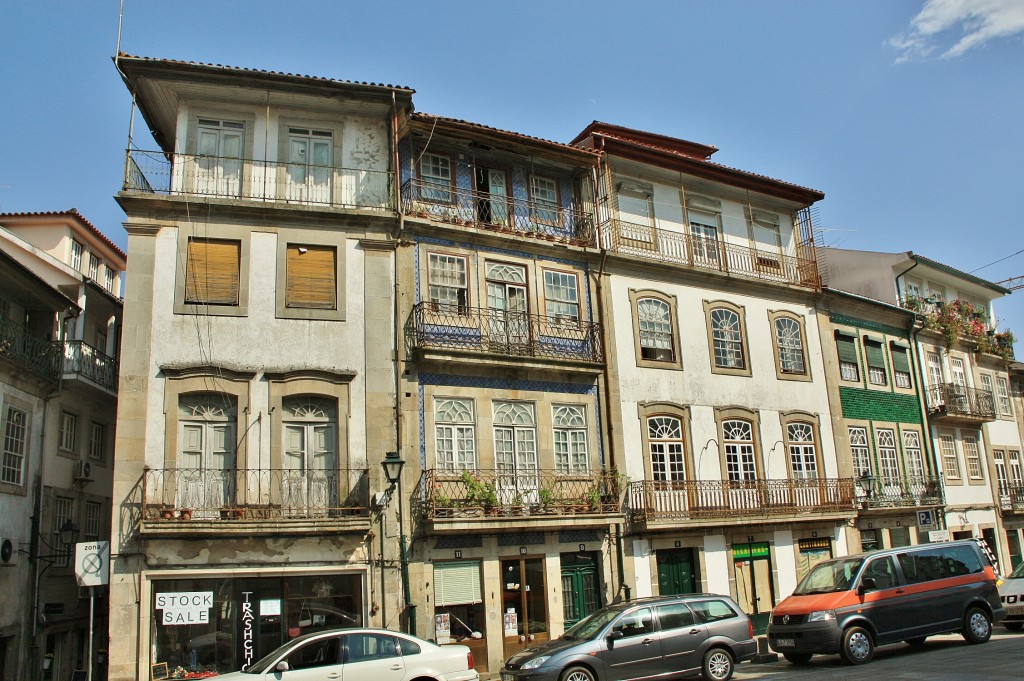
(996, 262)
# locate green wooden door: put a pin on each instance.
(675, 572)
(580, 592)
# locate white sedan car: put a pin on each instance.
(360, 655)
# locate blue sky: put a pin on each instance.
(907, 114)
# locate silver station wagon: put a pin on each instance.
(650, 638)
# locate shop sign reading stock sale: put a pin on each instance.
(185, 607)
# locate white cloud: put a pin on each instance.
(978, 21)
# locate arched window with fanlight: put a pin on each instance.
(310, 455)
(738, 441)
(667, 451)
(803, 454)
(207, 425)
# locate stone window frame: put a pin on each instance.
(773, 317)
(233, 233)
(723, 414)
(323, 123)
(75, 434)
(709, 307)
(311, 237)
(646, 410)
(635, 296)
(947, 478)
(213, 111)
(28, 451)
(786, 418)
(979, 443)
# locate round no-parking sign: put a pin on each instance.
(92, 563)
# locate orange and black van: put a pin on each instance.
(851, 605)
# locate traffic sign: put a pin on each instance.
(92, 563)
(925, 518)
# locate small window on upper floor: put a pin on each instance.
(76, 256)
(849, 365)
(1003, 396)
(728, 336)
(448, 282)
(544, 192)
(311, 277)
(108, 280)
(436, 176)
(94, 267)
(789, 345)
(655, 320)
(561, 298)
(901, 365)
(212, 272)
(875, 356)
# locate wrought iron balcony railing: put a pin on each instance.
(154, 172)
(83, 359)
(518, 334)
(651, 500)
(955, 400)
(901, 492)
(1011, 498)
(536, 219)
(519, 492)
(38, 355)
(707, 254)
(267, 494)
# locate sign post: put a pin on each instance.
(92, 569)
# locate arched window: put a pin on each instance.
(570, 434)
(310, 478)
(803, 455)
(665, 439)
(455, 434)
(738, 439)
(727, 336)
(790, 343)
(207, 425)
(655, 321)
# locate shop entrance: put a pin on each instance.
(524, 606)
(752, 566)
(580, 592)
(675, 572)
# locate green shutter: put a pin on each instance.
(874, 353)
(900, 359)
(457, 583)
(847, 347)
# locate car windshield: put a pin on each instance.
(832, 575)
(1018, 573)
(589, 627)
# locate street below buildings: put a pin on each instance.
(941, 658)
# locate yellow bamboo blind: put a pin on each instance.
(212, 272)
(311, 277)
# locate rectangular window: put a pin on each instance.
(108, 279)
(68, 434)
(544, 192)
(212, 272)
(436, 174)
(846, 346)
(62, 512)
(97, 442)
(448, 283)
(973, 456)
(876, 361)
(76, 256)
(15, 436)
(311, 277)
(1016, 474)
(94, 267)
(999, 458)
(93, 513)
(950, 463)
(986, 384)
(900, 365)
(561, 298)
(1003, 394)
(570, 435)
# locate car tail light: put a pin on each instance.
(750, 628)
(469, 659)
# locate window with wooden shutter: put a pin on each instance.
(900, 365)
(212, 272)
(312, 280)
(457, 583)
(846, 347)
(876, 361)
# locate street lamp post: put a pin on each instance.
(392, 465)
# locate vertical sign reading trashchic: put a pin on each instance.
(185, 607)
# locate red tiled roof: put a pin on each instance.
(72, 213)
(241, 69)
(426, 117)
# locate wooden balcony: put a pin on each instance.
(81, 360)
(955, 402)
(286, 184)
(182, 501)
(37, 355)
(507, 498)
(657, 501)
(680, 248)
(505, 214)
(1011, 499)
(905, 492)
(482, 331)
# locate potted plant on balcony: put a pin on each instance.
(545, 499)
(593, 499)
(480, 493)
(444, 507)
(185, 514)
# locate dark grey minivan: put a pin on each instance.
(650, 638)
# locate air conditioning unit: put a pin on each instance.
(83, 470)
(8, 551)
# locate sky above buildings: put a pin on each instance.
(906, 114)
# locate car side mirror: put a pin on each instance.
(867, 584)
(615, 635)
(282, 666)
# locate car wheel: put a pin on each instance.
(857, 647)
(1013, 626)
(977, 626)
(718, 665)
(577, 674)
(917, 641)
(797, 658)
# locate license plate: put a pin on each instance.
(506, 677)
(785, 642)
(1015, 610)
